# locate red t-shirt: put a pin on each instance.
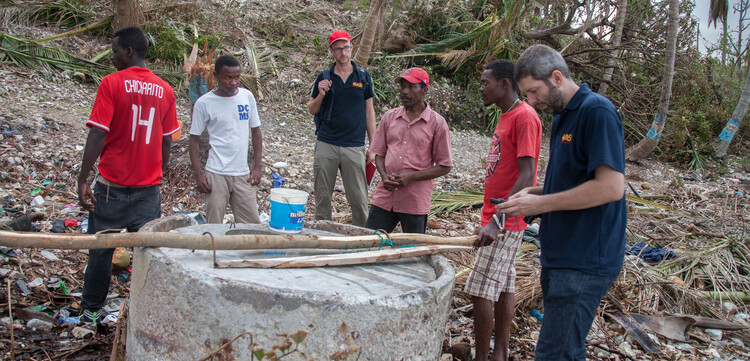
(518, 134)
(137, 109)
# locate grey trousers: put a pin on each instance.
(327, 162)
(237, 192)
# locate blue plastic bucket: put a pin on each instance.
(288, 208)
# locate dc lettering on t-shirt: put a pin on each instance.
(244, 111)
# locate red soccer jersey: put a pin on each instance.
(518, 134)
(137, 109)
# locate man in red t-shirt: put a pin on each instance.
(131, 124)
(511, 166)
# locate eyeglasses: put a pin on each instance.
(338, 50)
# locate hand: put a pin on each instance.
(324, 86)
(84, 194)
(254, 179)
(487, 234)
(369, 157)
(522, 203)
(388, 182)
(402, 178)
(202, 183)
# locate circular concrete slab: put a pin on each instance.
(182, 308)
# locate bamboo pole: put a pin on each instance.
(347, 259)
(221, 242)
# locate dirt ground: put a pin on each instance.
(43, 117)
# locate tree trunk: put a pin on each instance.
(733, 125)
(368, 35)
(127, 13)
(651, 140)
(622, 8)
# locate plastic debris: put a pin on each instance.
(58, 226)
(49, 255)
(37, 201)
(40, 324)
(278, 181)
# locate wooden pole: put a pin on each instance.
(221, 242)
(346, 259)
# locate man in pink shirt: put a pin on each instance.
(412, 147)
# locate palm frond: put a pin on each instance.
(447, 202)
(718, 10)
(30, 54)
(487, 39)
(59, 13)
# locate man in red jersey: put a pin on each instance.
(131, 123)
(511, 166)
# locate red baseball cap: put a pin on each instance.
(415, 75)
(338, 35)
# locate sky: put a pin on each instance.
(708, 32)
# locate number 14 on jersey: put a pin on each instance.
(148, 123)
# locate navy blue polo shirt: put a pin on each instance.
(348, 124)
(585, 135)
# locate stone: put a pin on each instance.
(646, 185)
(684, 346)
(729, 307)
(714, 334)
(39, 324)
(404, 302)
(81, 332)
(627, 349)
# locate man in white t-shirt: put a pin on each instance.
(229, 114)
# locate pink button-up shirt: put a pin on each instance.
(411, 146)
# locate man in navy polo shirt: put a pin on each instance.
(582, 202)
(341, 100)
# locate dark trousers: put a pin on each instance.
(115, 208)
(379, 218)
(571, 298)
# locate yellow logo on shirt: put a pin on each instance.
(566, 138)
(356, 84)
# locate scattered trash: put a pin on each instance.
(536, 314)
(49, 255)
(35, 191)
(264, 218)
(650, 254)
(120, 258)
(58, 226)
(85, 226)
(281, 165)
(40, 325)
(24, 289)
(37, 201)
(278, 181)
(36, 282)
(70, 222)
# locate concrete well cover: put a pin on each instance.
(182, 308)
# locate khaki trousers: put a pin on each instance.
(327, 162)
(236, 191)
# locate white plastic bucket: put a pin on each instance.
(288, 208)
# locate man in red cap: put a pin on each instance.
(412, 147)
(341, 102)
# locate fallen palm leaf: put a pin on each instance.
(635, 199)
(447, 202)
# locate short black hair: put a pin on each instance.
(133, 37)
(225, 60)
(502, 69)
